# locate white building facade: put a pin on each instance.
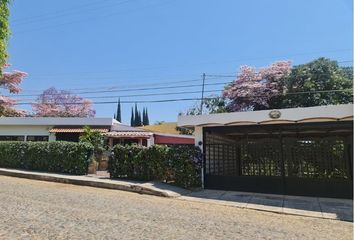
(48, 129)
(295, 151)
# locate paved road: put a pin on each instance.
(42, 210)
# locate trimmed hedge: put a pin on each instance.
(58, 157)
(178, 164)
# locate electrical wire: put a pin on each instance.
(190, 99)
(53, 27)
(135, 89)
(65, 12)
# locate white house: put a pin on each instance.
(48, 128)
(299, 151)
(69, 129)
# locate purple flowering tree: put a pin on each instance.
(254, 88)
(61, 103)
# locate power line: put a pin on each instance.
(190, 99)
(192, 92)
(183, 65)
(129, 85)
(65, 12)
(135, 89)
(137, 95)
(51, 27)
(202, 102)
(112, 88)
(92, 3)
(210, 76)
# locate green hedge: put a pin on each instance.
(58, 157)
(178, 164)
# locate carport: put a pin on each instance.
(299, 151)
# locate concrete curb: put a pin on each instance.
(86, 181)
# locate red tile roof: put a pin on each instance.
(128, 134)
(76, 130)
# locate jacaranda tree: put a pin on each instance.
(62, 103)
(10, 81)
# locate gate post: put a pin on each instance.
(282, 161)
(199, 142)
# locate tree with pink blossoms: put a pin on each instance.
(254, 89)
(10, 81)
(61, 103)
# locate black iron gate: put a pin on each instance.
(307, 159)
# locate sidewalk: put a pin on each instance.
(338, 209)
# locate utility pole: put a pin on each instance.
(202, 100)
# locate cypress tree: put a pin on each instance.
(132, 119)
(114, 116)
(144, 116)
(140, 119)
(147, 122)
(119, 112)
(136, 116)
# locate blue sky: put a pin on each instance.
(92, 45)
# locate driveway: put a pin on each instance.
(43, 210)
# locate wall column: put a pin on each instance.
(150, 141)
(51, 137)
(198, 136)
(110, 142)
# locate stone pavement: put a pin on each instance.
(329, 208)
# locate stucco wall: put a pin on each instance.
(26, 131)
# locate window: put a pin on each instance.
(12, 138)
(38, 138)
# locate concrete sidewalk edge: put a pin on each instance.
(84, 181)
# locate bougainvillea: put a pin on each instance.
(10, 81)
(61, 103)
(253, 88)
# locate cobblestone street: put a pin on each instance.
(42, 210)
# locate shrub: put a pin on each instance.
(178, 164)
(59, 157)
(186, 162)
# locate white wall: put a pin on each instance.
(198, 136)
(26, 131)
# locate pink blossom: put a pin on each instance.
(60, 103)
(10, 81)
(254, 87)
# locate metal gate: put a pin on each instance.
(309, 159)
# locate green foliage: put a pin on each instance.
(92, 137)
(137, 118)
(179, 164)
(211, 104)
(186, 164)
(132, 121)
(4, 31)
(319, 82)
(58, 157)
(118, 114)
(184, 131)
(319, 77)
(146, 121)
